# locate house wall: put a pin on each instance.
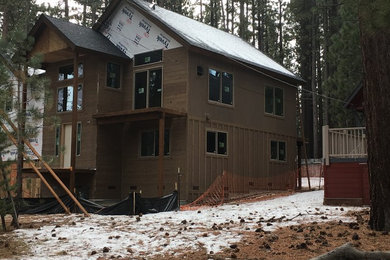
(87, 158)
(249, 130)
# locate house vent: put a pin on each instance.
(199, 70)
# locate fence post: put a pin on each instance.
(325, 143)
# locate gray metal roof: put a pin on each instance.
(84, 37)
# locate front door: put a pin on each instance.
(67, 141)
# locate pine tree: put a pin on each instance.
(375, 42)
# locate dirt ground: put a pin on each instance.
(301, 242)
(293, 242)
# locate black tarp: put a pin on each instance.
(142, 205)
(124, 207)
(51, 206)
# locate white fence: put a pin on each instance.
(343, 143)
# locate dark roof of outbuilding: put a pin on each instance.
(82, 37)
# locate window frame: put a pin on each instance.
(120, 76)
(149, 63)
(147, 70)
(278, 142)
(78, 138)
(155, 132)
(78, 92)
(217, 132)
(273, 113)
(80, 65)
(220, 88)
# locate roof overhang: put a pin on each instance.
(137, 115)
(355, 100)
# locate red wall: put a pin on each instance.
(347, 183)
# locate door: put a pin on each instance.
(67, 141)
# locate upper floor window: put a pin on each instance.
(113, 75)
(148, 88)
(150, 143)
(147, 57)
(217, 142)
(274, 101)
(278, 150)
(221, 87)
(66, 72)
(65, 98)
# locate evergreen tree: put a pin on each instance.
(344, 59)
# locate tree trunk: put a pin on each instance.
(375, 45)
(66, 9)
(280, 25)
(313, 85)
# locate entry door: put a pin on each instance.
(67, 141)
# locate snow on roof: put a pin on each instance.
(207, 37)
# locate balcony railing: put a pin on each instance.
(344, 143)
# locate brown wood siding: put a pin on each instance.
(346, 183)
(108, 171)
(175, 79)
(248, 97)
(248, 157)
(142, 172)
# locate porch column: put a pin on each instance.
(161, 130)
(74, 124)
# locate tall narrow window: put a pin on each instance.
(221, 87)
(150, 143)
(65, 98)
(278, 150)
(216, 142)
(148, 88)
(78, 139)
(57, 140)
(113, 75)
(274, 103)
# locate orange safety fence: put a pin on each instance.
(229, 187)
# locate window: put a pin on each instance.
(6, 98)
(65, 98)
(147, 57)
(78, 139)
(274, 101)
(278, 150)
(217, 142)
(150, 143)
(113, 75)
(148, 88)
(57, 141)
(66, 72)
(221, 87)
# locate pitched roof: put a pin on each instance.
(209, 38)
(82, 37)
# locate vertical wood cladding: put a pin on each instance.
(248, 157)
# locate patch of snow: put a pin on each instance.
(171, 232)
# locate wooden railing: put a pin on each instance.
(343, 143)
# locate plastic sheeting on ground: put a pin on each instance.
(142, 205)
(51, 206)
(124, 207)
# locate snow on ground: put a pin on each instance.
(315, 182)
(212, 229)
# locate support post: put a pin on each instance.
(74, 124)
(41, 160)
(161, 129)
(325, 143)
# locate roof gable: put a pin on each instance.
(133, 33)
(62, 32)
(201, 35)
